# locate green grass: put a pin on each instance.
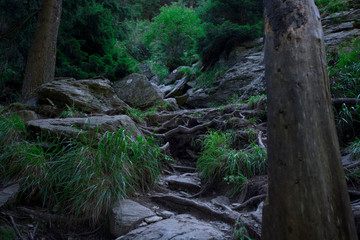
(78, 179)
(7, 233)
(345, 71)
(332, 6)
(220, 161)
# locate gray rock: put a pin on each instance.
(166, 214)
(145, 69)
(71, 127)
(165, 89)
(173, 104)
(155, 80)
(9, 193)
(336, 32)
(137, 91)
(181, 100)
(189, 182)
(126, 215)
(179, 89)
(220, 200)
(180, 227)
(91, 95)
(174, 76)
(244, 79)
(153, 219)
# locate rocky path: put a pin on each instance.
(182, 206)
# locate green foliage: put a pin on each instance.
(354, 149)
(227, 23)
(173, 35)
(344, 71)
(88, 42)
(7, 233)
(221, 39)
(257, 100)
(135, 40)
(332, 6)
(347, 121)
(241, 12)
(221, 161)
(83, 177)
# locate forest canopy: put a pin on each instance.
(112, 38)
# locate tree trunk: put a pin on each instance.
(307, 198)
(40, 67)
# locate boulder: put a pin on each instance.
(137, 91)
(171, 102)
(186, 182)
(174, 76)
(72, 127)
(180, 227)
(179, 89)
(90, 95)
(126, 215)
(9, 193)
(145, 69)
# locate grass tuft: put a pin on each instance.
(221, 162)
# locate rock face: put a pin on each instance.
(335, 32)
(91, 95)
(126, 215)
(244, 79)
(137, 91)
(71, 127)
(180, 227)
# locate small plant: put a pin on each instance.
(219, 160)
(354, 149)
(255, 101)
(241, 232)
(71, 112)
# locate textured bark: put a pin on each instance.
(307, 197)
(40, 67)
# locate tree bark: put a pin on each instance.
(40, 67)
(307, 197)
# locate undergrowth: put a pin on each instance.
(220, 161)
(78, 179)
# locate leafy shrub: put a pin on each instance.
(221, 39)
(173, 35)
(219, 160)
(135, 40)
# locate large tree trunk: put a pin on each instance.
(40, 66)
(307, 198)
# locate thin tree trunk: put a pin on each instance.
(307, 198)
(40, 66)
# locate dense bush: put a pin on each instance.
(227, 24)
(221, 39)
(88, 42)
(173, 35)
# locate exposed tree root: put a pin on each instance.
(227, 216)
(252, 201)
